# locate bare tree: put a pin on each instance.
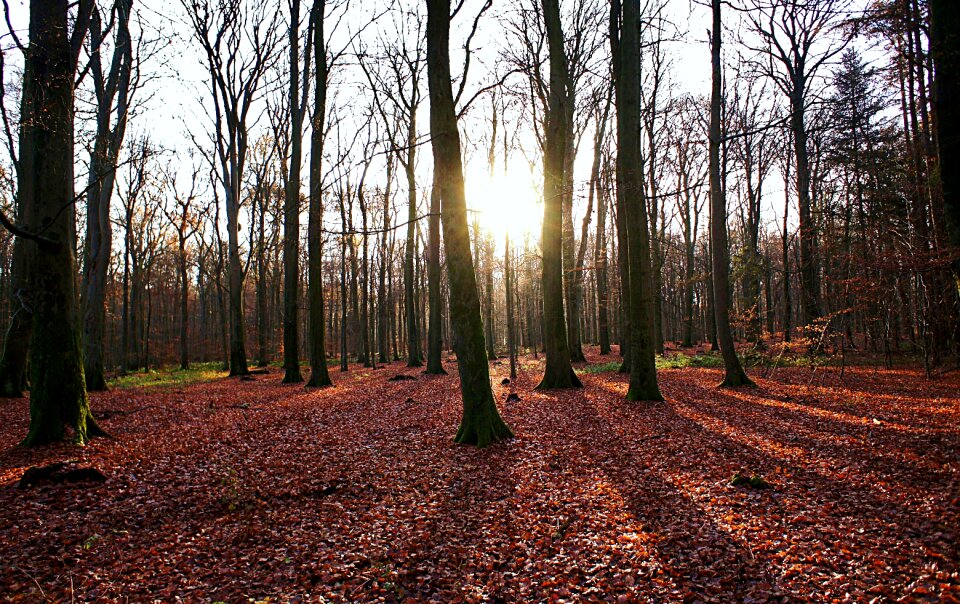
(186, 222)
(635, 234)
(796, 45)
(481, 424)
(720, 257)
(113, 90)
(58, 398)
(239, 40)
(558, 373)
(397, 95)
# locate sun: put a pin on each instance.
(507, 202)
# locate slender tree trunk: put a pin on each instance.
(435, 328)
(488, 300)
(481, 424)
(291, 213)
(184, 298)
(511, 320)
(414, 354)
(319, 375)
(643, 374)
(558, 372)
(13, 364)
(600, 260)
(809, 287)
(733, 371)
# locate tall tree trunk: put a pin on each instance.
(481, 424)
(733, 371)
(58, 399)
(319, 376)
(291, 212)
(103, 162)
(262, 313)
(435, 328)
(184, 298)
(414, 354)
(600, 260)
(13, 364)
(488, 299)
(511, 320)
(643, 371)
(383, 307)
(945, 51)
(558, 372)
(809, 287)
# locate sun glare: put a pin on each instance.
(506, 203)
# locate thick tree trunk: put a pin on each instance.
(58, 399)
(481, 424)
(945, 51)
(733, 371)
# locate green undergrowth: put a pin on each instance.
(749, 358)
(169, 377)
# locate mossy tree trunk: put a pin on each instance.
(481, 424)
(58, 399)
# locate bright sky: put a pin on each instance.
(175, 102)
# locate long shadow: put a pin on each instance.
(807, 494)
(693, 553)
(820, 434)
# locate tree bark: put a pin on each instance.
(643, 373)
(319, 375)
(414, 354)
(435, 328)
(945, 51)
(733, 371)
(481, 424)
(103, 161)
(558, 372)
(58, 399)
(291, 213)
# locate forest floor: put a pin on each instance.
(240, 491)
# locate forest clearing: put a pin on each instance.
(237, 491)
